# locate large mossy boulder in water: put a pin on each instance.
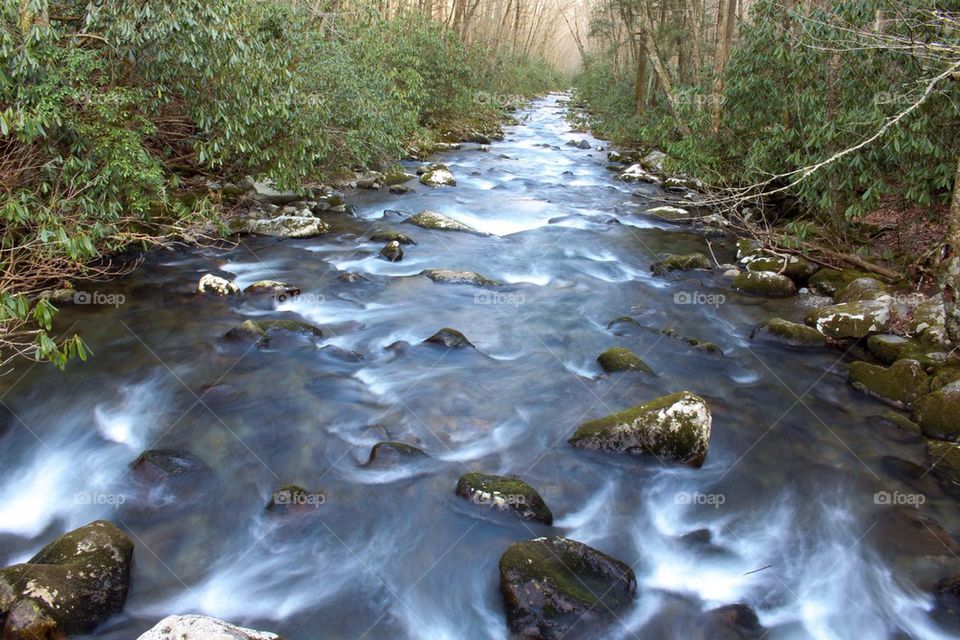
(938, 413)
(438, 177)
(851, 319)
(765, 283)
(622, 359)
(388, 454)
(551, 585)
(70, 587)
(687, 262)
(439, 222)
(202, 628)
(789, 333)
(504, 493)
(673, 428)
(900, 384)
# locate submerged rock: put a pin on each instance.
(291, 326)
(449, 338)
(252, 331)
(674, 427)
(851, 319)
(294, 499)
(440, 222)
(550, 585)
(739, 618)
(202, 628)
(275, 288)
(69, 587)
(938, 413)
(288, 227)
(448, 276)
(900, 384)
(504, 493)
(391, 236)
(688, 262)
(621, 359)
(248, 331)
(388, 454)
(789, 333)
(216, 285)
(158, 465)
(765, 283)
(392, 252)
(696, 343)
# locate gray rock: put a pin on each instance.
(202, 628)
(448, 276)
(289, 227)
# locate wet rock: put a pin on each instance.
(687, 262)
(70, 587)
(341, 354)
(400, 189)
(202, 628)
(765, 283)
(438, 178)
(583, 144)
(887, 348)
(789, 333)
(937, 413)
(944, 459)
(288, 227)
(851, 319)
(926, 315)
(636, 173)
(263, 192)
(671, 214)
(829, 281)
(440, 222)
(392, 252)
(290, 326)
(900, 384)
(739, 618)
(391, 236)
(901, 422)
(449, 338)
(159, 465)
(653, 161)
(273, 288)
(293, 499)
(696, 343)
(550, 585)
(215, 285)
(794, 267)
(504, 493)
(683, 183)
(621, 359)
(249, 331)
(861, 289)
(674, 427)
(448, 276)
(389, 454)
(352, 277)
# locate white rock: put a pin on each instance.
(217, 285)
(438, 178)
(202, 628)
(288, 227)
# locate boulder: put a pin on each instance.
(290, 326)
(370, 180)
(671, 214)
(400, 189)
(248, 331)
(687, 262)
(765, 283)
(937, 413)
(900, 384)
(860, 289)
(440, 222)
(202, 628)
(653, 161)
(621, 359)
(265, 193)
(851, 319)
(215, 285)
(505, 494)
(288, 227)
(449, 338)
(70, 587)
(829, 281)
(887, 348)
(391, 236)
(293, 499)
(392, 251)
(636, 173)
(551, 585)
(789, 333)
(794, 267)
(281, 291)
(448, 276)
(438, 178)
(674, 428)
(944, 459)
(388, 454)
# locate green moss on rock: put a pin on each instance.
(386, 454)
(937, 413)
(829, 281)
(621, 359)
(901, 422)
(794, 267)
(504, 493)
(860, 289)
(944, 460)
(789, 333)
(291, 326)
(900, 384)
(674, 427)
(765, 283)
(687, 262)
(851, 319)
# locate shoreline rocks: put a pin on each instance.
(765, 283)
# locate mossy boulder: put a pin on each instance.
(70, 587)
(389, 235)
(397, 176)
(673, 428)
(271, 288)
(944, 461)
(389, 454)
(449, 276)
(438, 178)
(938, 413)
(900, 384)
(291, 327)
(622, 359)
(794, 267)
(865, 288)
(551, 585)
(449, 338)
(194, 627)
(504, 494)
(887, 348)
(942, 376)
(671, 214)
(901, 422)
(829, 281)
(292, 499)
(687, 262)
(765, 283)
(392, 252)
(927, 315)
(789, 333)
(439, 222)
(215, 285)
(851, 319)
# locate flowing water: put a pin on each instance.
(787, 493)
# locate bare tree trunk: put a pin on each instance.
(661, 71)
(950, 270)
(726, 19)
